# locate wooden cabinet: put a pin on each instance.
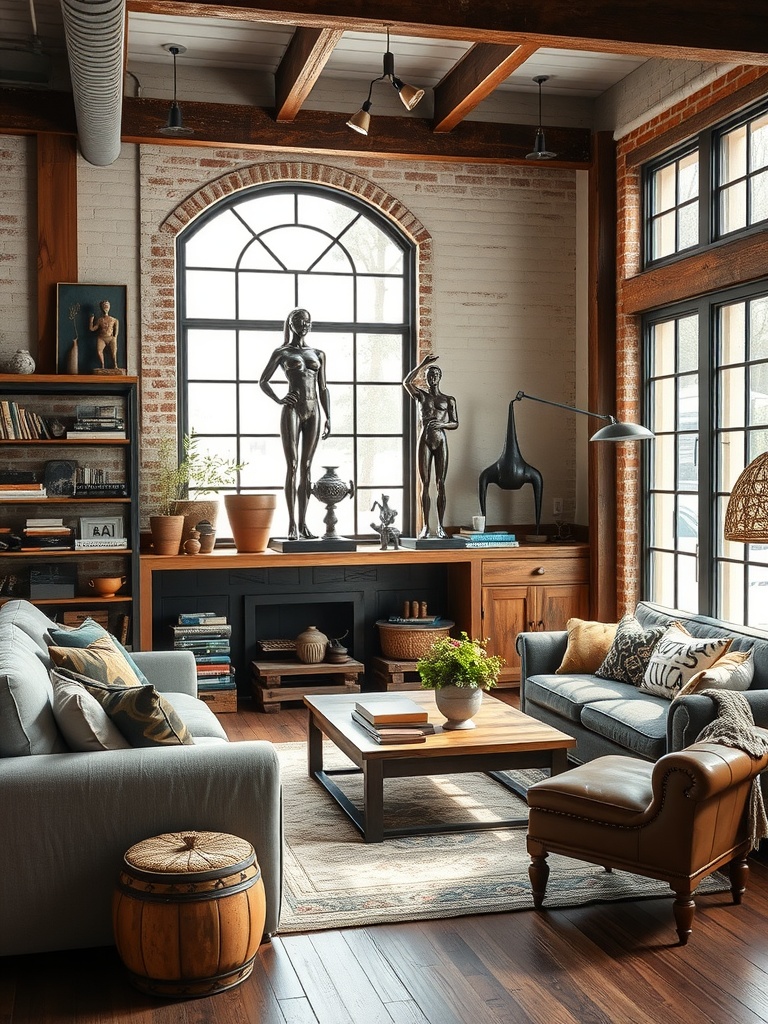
(527, 594)
(48, 453)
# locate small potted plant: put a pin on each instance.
(458, 671)
(205, 472)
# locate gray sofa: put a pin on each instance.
(66, 819)
(609, 717)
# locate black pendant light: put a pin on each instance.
(409, 95)
(540, 151)
(174, 125)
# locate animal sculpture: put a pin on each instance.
(510, 471)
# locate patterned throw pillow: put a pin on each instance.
(83, 722)
(100, 660)
(677, 657)
(630, 651)
(734, 671)
(588, 644)
(85, 634)
(143, 716)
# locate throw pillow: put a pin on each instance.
(678, 656)
(100, 660)
(143, 716)
(588, 644)
(85, 634)
(734, 671)
(83, 722)
(630, 652)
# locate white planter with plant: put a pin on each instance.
(458, 671)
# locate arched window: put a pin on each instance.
(243, 266)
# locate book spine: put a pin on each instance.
(492, 544)
(212, 659)
(489, 536)
(213, 632)
(202, 619)
(94, 543)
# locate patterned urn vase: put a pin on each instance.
(311, 646)
(20, 362)
(330, 489)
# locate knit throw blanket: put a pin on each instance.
(735, 727)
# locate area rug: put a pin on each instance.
(335, 880)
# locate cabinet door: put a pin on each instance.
(556, 603)
(507, 611)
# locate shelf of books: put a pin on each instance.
(207, 635)
(68, 495)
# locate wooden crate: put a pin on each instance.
(394, 674)
(220, 701)
(277, 681)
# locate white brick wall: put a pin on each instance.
(18, 298)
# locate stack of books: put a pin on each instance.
(46, 535)
(22, 490)
(401, 720)
(96, 483)
(97, 421)
(488, 539)
(208, 636)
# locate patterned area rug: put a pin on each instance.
(335, 880)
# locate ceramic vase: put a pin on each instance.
(21, 362)
(195, 510)
(311, 646)
(459, 704)
(250, 516)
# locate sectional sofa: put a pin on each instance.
(67, 818)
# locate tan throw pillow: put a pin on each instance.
(734, 671)
(100, 660)
(588, 644)
(143, 716)
(677, 657)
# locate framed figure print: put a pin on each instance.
(101, 527)
(90, 329)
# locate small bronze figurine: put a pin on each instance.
(385, 527)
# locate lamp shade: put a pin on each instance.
(361, 121)
(746, 517)
(617, 431)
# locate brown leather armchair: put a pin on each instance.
(677, 820)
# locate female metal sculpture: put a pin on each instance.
(438, 414)
(304, 368)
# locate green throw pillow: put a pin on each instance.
(143, 716)
(630, 652)
(100, 660)
(85, 634)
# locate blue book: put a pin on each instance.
(498, 536)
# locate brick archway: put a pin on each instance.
(158, 322)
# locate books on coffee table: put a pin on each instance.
(391, 711)
(416, 733)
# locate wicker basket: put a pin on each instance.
(409, 643)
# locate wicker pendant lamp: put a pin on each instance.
(746, 517)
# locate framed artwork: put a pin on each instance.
(95, 527)
(90, 328)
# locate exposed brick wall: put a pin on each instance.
(629, 370)
(18, 304)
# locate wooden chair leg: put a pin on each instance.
(738, 871)
(538, 872)
(683, 909)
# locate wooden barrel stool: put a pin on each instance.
(188, 913)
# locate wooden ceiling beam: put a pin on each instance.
(707, 30)
(304, 59)
(482, 68)
(315, 131)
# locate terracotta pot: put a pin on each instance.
(250, 516)
(195, 510)
(106, 586)
(166, 534)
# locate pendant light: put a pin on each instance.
(174, 125)
(409, 95)
(540, 151)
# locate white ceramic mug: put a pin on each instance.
(478, 524)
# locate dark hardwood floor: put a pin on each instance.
(608, 963)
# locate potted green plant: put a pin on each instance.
(458, 671)
(205, 472)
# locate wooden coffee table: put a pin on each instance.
(504, 739)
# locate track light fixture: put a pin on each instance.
(174, 124)
(410, 95)
(540, 151)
